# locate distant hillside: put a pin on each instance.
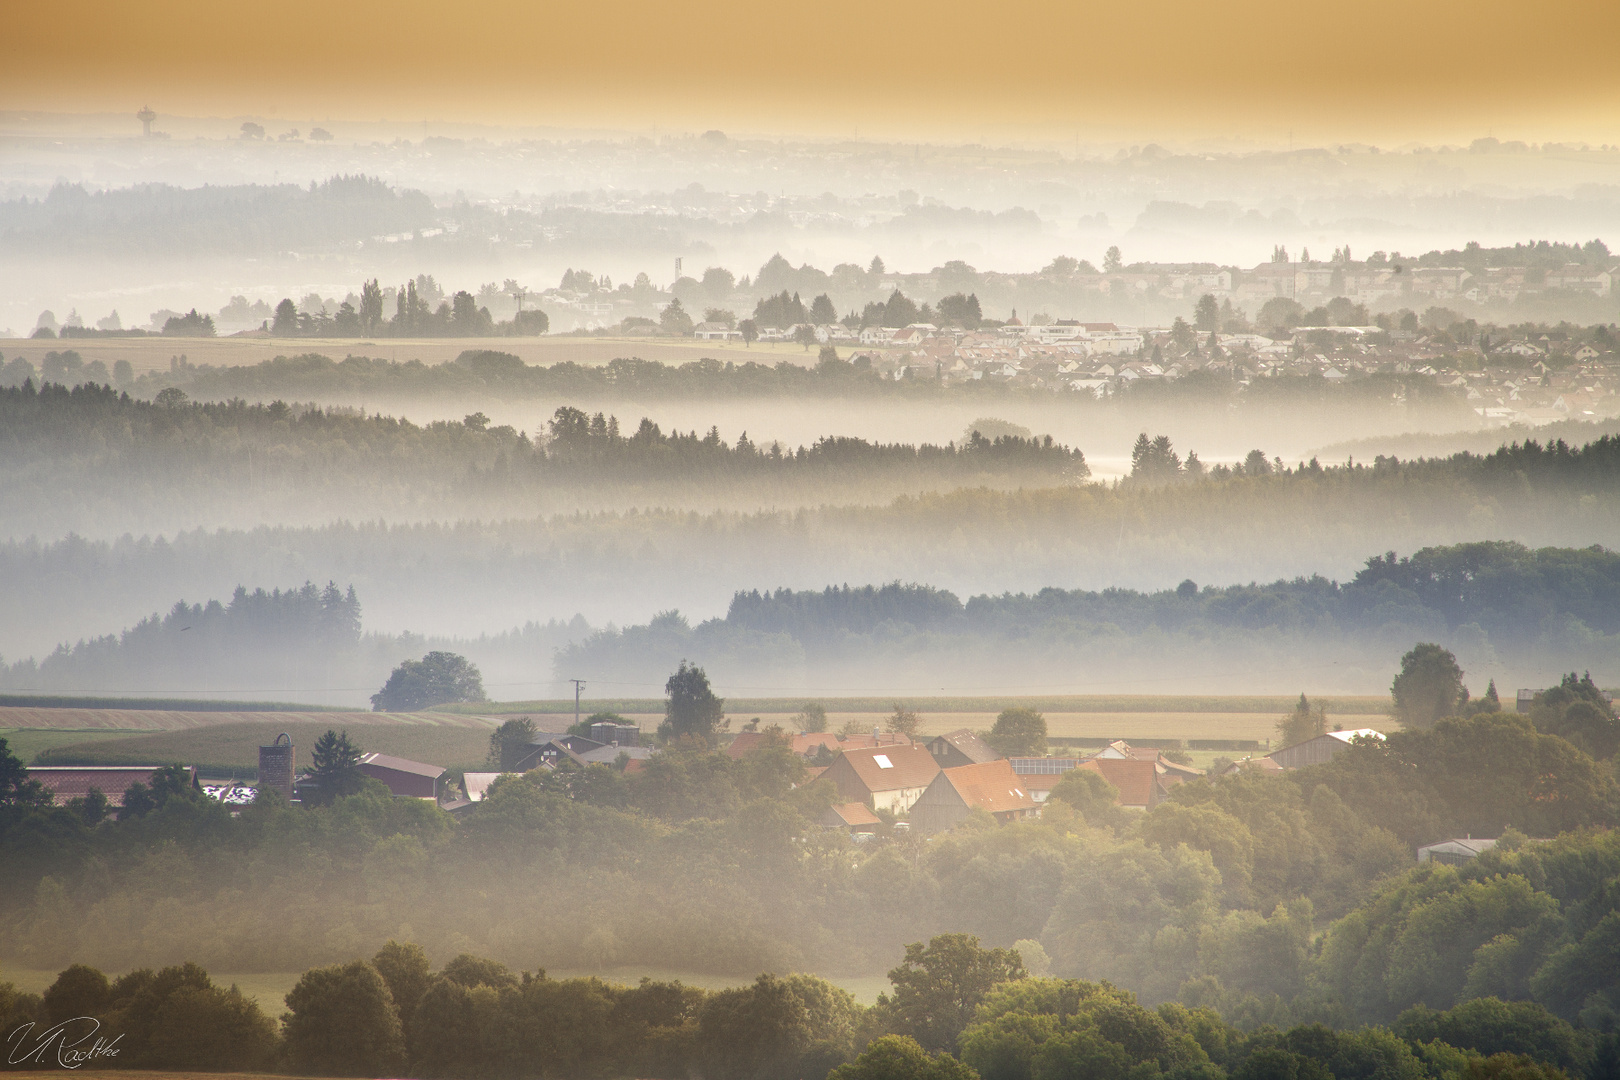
(243, 219)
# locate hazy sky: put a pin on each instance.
(1380, 71)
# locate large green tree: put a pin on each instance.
(509, 743)
(938, 986)
(1428, 687)
(692, 710)
(439, 678)
(335, 766)
(342, 1023)
(1018, 732)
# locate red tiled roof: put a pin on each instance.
(805, 743)
(66, 782)
(885, 768)
(989, 785)
(1135, 780)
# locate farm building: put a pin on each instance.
(66, 782)
(1320, 749)
(991, 786)
(405, 778)
(883, 777)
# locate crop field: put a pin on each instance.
(234, 748)
(17, 718)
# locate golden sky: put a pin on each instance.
(1376, 70)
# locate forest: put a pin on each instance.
(1513, 605)
(1257, 902)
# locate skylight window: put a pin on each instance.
(883, 761)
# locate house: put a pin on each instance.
(716, 331)
(546, 747)
(1137, 781)
(991, 786)
(851, 817)
(1040, 774)
(66, 782)
(1454, 852)
(960, 747)
(406, 779)
(883, 777)
(1320, 749)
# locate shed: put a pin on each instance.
(851, 817)
(991, 786)
(405, 778)
(1320, 749)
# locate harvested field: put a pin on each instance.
(15, 717)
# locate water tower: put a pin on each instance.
(146, 116)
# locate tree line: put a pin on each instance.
(958, 1011)
(1508, 591)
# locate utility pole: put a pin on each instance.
(579, 684)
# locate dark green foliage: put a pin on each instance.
(171, 782)
(797, 1026)
(342, 1023)
(509, 743)
(938, 987)
(692, 711)
(439, 678)
(78, 991)
(16, 789)
(335, 768)
(1018, 732)
(406, 970)
(1428, 687)
(1491, 1026)
(1088, 792)
(1576, 710)
(899, 1057)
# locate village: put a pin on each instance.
(885, 784)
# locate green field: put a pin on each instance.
(233, 749)
(28, 742)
